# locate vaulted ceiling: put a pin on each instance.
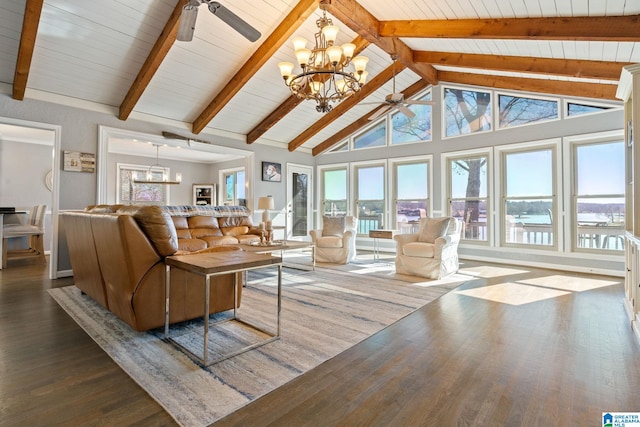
(123, 55)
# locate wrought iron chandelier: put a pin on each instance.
(324, 78)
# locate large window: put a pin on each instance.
(411, 188)
(516, 110)
(528, 193)
(466, 111)
(599, 196)
(369, 196)
(334, 191)
(141, 193)
(468, 195)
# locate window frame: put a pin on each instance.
(443, 114)
(393, 180)
(557, 202)
(354, 168)
(370, 126)
(447, 199)
(571, 144)
(496, 106)
(321, 186)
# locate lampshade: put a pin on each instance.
(266, 204)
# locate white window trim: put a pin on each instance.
(496, 109)
(353, 185)
(391, 190)
(558, 212)
(446, 185)
(567, 101)
(352, 142)
(568, 144)
(320, 189)
(443, 114)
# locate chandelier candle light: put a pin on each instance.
(149, 179)
(324, 78)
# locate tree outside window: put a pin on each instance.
(466, 111)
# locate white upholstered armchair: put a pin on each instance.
(433, 251)
(336, 241)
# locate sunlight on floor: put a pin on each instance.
(489, 271)
(568, 283)
(513, 293)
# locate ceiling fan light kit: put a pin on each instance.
(324, 78)
(187, 24)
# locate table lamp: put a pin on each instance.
(266, 204)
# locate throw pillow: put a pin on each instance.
(434, 228)
(333, 226)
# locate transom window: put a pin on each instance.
(466, 111)
(516, 110)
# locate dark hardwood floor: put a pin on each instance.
(461, 360)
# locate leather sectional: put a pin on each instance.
(117, 256)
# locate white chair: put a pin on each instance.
(433, 251)
(336, 241)
(33, 230)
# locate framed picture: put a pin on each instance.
(271, 172)
(204, 194)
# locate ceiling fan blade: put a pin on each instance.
(379, 112)
(234, 21)
(404, 110)
(187, 24)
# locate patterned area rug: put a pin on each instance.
(324, 312)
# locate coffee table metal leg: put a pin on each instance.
(207, 293)
(167, 285)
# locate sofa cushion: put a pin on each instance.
(191, 245)
(182, 227)
(333, 226)
(213, 241)
(419, 249)
(203, 226)
(157, 225)
(432, 228)
(329, 242)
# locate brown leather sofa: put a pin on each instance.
(117, 256)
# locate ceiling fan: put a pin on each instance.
(395, 100)
(189, 14)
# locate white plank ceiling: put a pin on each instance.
(90, 52)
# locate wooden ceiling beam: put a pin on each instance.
(363, 121)
(281, 34)
(556, 87)
(592, 28)
(291, 102)
(159, 51)
(562, 67)
(30, 22)
(354, 16)
(366, 90)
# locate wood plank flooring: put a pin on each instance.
(461, 360)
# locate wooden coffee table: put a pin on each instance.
(282, 246)
(214, 264)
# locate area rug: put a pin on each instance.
(324, 312)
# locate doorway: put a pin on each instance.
(299, 214)
(23, 187)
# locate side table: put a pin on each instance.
(211, 265)
(380, 234)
